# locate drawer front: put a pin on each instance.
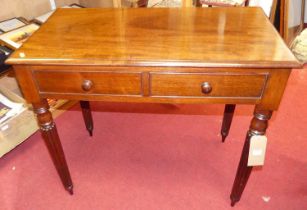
(207, 85)
(88, 82)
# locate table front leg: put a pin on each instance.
(53, 143)
(227, 119)
(87, 116)
(258, 126)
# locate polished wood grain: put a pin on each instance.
(98, 82)
(221, 37)
(48, 83)
(196, 55)
(221, 85)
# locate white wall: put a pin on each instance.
(294, 12)
(265, 4)
(305, 12)
(28, 8)
(97, 3)
(24, 8)
(60, 3)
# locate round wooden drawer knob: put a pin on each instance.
(87, 85)
(206, 88)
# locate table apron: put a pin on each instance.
(155, 84)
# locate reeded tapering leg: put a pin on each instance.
(258, 126)
(87, 116)
(53, 143)
(227, 119)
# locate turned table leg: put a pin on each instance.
(53, 143)
(258, 126)
(87, 116)
(227, 119)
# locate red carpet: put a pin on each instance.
(162, 157)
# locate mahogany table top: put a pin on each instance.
(199, 37)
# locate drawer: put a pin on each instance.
(88, 82)
(207, 85)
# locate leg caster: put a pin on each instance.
(233, 202)
(70, 190)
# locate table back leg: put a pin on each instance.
(258, 126)
(53, 143)
(227, 119)
(87, 116)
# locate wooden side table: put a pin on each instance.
(186, 55)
